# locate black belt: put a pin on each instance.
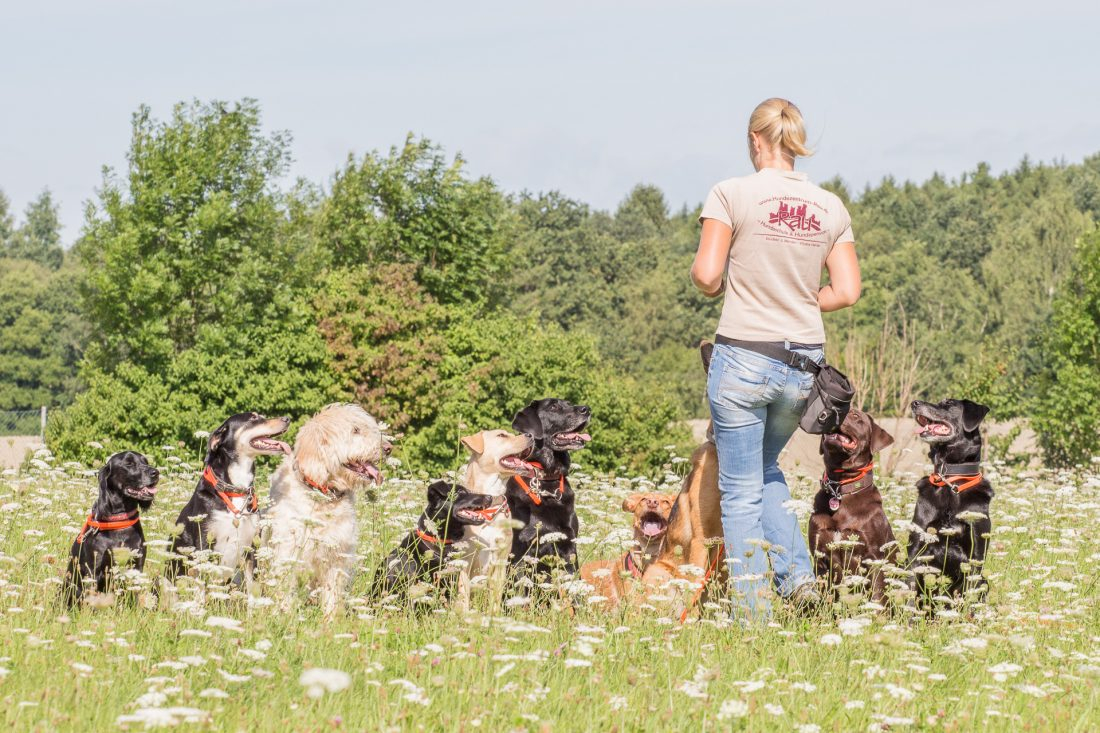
(776, 350)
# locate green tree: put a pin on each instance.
(413, 207)
(1067, 415)
(7, 224)
(41, 335)
(192, 238)
(39, 237)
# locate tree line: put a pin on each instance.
(199, 285)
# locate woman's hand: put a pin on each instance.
(845, 285)
(708, 272)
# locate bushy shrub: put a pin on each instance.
(1067, 414)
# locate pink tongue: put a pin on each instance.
(649, 529)
(284, 447)
(375, 474)
(584, 436)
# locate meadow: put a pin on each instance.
(1027, 660)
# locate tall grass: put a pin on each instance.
(1028, 660)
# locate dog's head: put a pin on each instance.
(558, 422)
(248, 435)
(456, 505)
(651, 511)
(127, 479)
(852, 447)
(498, 451)
(557, 427)
(341, 446)
(951, 428)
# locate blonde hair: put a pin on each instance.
(779, 123)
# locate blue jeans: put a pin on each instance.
(755, 404)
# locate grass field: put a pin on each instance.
(1030, 660)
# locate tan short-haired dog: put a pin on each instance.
(313, 529)
(494, 456)
(615, 579)
(695, 534)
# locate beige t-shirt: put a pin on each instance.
(784, 227)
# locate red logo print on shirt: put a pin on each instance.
(794, 217)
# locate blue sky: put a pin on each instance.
(588, 98)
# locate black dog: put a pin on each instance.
(956, 486)
(545, 506)
(424, 552)
(221, 514)
(127, 484)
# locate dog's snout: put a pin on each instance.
(387, 447)
(584, 410)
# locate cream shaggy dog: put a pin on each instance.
(494, 456)
(313, 533)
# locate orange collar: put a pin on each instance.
(491, 513)
(835, 486)
(958, 484)
(225, 496)
(431, 538)
(111, 523)
(324, 490)
(533, 494)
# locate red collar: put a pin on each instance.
(631, 565)
(957, 483)
(533, 494)
(236, 492)
(835, 485)
(491, 513)
(431, 538)
(111, 523)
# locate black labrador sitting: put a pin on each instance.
(221, 515)
(424, 552)
(951, 520)
(545, 507)
(127, 485)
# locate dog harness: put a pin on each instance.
(959, 476)
(235, 492)
(110, 524)
(534, 489)
(857, 483)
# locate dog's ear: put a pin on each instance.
(821, 446)
(973, 414)
(879, 437)
(706, 350)
(105, 474)
(438, 492)
(217, 437)
(527, 421)
(475, 443)
(631, 502)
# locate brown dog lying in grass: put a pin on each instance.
(614, 579)
(695, 525)
(849, 529)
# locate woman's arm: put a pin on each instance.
(708, 272)
(844, 285)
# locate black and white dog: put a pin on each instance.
(951, 522)
(545, 506)
(425, 551)
(221, 515)
(127, 485)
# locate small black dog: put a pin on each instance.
(424, 551)
(955, 487)
(221, 514)
(545, 506)
(127, 484)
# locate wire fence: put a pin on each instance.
(23, 422)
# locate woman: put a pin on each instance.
(765, 239)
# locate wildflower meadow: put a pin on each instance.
(1027, 659)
